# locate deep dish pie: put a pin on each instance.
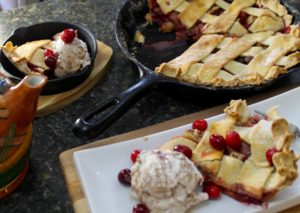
(245, 173)
(240, 42)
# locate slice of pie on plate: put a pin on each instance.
(262, 165)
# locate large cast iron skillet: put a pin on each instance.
(145, 58)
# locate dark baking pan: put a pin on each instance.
(131, 18)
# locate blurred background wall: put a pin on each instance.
(11, 4)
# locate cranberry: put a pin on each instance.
(233, 140)
(184, 150)
(207, 179)
(217, 142)
(140, 208)
(286, 30)
(49, 52)
(51, 61)
(269, 155)
(124, 177)
(212, 190)
(243, 15)
(134, 155)
(68, 35)
(201, 125)
(244, 19)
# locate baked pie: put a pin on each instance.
(237, 42)
(236, 18)
(253, 169)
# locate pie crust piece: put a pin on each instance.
(30, 52)
(194, 11)
(223, 23)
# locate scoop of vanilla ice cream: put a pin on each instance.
(166, 181)
(71, 57)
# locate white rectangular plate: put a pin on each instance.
(98, 167)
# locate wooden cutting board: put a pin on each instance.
(66, 158)
(51, 103)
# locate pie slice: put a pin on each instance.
(28, 55)
(262, 165)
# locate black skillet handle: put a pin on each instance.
(114, 107)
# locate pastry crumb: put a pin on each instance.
(139, 37)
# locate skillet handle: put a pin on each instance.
(111, 109)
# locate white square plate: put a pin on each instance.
(98, 167)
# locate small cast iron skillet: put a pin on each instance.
(47, 30)
(131, 18)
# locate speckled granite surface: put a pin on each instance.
(44, 188)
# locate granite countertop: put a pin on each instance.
(44, 188)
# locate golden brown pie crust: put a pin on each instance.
(268, 41)
(253, 178)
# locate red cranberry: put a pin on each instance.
(49, 52)
(140, 208)
(269, 155)
(233, 140)
(286, 30)
(201, 125)
(244, 19)
(68, 35)
(51, 61)
(134, 155)
(124, 177)
(243, 15)
(217, 142)
(212, 190)
(207, 179)
(184, 150)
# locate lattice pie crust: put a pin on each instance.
(232, 51)
(253, 176)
